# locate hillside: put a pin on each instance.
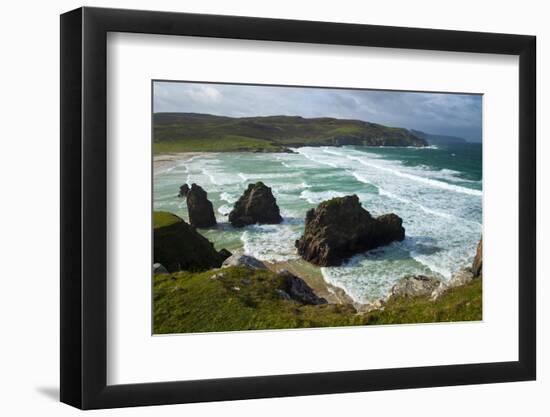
(192, 132)
(238, 298)
(434, 139)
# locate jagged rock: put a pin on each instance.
(256, 205)
(224, 253)
(415, 286)
(296, 289)
(200, 209)
(159, 269)
(178, 246)
(462, 277)
(478, 260)
(340, 227)
(243, 260)
(184, 190)
(388, 228)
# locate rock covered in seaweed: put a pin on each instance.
(200, 209)
(341, 227)
(256, 205)
(178, 246)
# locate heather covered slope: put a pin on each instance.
(192, 132)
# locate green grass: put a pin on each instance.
(163, 219)
(188, 132)
(246, 299)
(224, 143)
(458, 304)
(241, 300)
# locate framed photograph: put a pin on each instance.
(257, 208)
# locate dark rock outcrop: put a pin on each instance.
(184, 190)
(415, 286)
(200, 209)
(256, 205)
(296, 289)
(340, 227)
(224, 253)
(159, 269)
(478, 260)
(243, 260)
(178, 246)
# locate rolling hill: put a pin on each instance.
(193, 132)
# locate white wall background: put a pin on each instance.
(29, 220)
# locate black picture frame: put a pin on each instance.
(84, 207)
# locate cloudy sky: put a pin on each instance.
(446, 114)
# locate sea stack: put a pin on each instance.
(200, 209)
(341, 227)
(256, 205)
(184, 190)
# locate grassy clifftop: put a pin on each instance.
(238, 298)
(191, 132)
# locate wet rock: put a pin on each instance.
(341, 227)
(200, 209)
(256, 205)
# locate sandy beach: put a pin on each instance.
(166, 161)
(313, 277)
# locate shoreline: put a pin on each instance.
(313, 277)
(166, 161)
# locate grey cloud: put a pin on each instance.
(449, 114)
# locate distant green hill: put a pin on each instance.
(193, 132)
(434, 139)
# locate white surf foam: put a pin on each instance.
(427, 181)
(315, 197)
(270, 242)
(225, 209)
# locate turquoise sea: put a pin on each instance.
(436, 190)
